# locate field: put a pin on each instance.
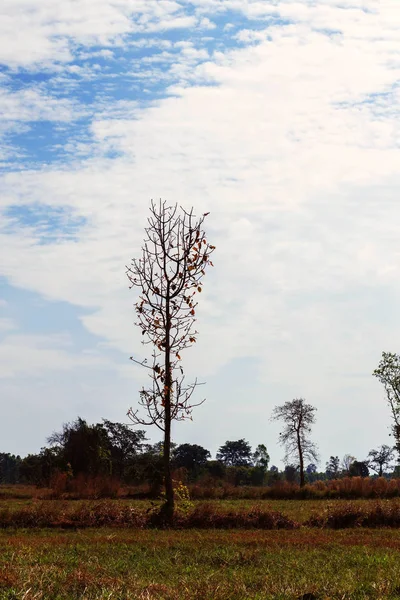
(75, 559)
(220, 565)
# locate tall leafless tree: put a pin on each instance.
(298, 417)
(168, 275)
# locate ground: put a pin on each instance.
(149, 564)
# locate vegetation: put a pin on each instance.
(388, 373)
(379, 460)
(298, 417)
(169, 274)
(100, 460)
(223, 565)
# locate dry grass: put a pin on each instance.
(267, 515)
(109, 513)
(222, 565)
(344, 488)
(107, 487)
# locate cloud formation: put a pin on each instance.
(282, 120)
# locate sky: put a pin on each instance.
(279, 118)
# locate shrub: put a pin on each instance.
(379, 514)
(207, 516)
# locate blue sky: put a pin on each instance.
(282, 120)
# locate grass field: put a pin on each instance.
(134, 513)
(221, 565)
(125, 563)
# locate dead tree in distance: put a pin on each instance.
(298, 417)
(169, 275)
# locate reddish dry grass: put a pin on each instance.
(109, 513)
(116, 514)
(345, 488)
(107, 487)
(373, 515)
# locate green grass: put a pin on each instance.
(236, 564)
(181, 565)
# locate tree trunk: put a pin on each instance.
(301, 460)
(168, 509)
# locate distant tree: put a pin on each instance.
(124, 445)
(215, 469)
(359, 468)
(238, 475)
(31, 470)
(261, 457)
(291, 473)
(9, 468)
(192, 457)
(168, 275)
(298, 417)
(85, 447)
(380, 459)
(158, 448)
(388, 373)
(333, 467)
(260, 461)
(38, 469)
(347, 461)
(311, 472)
(235, 453)
(273, 475)
(148, 467)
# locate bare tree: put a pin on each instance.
(169, 274)
(298, 417)
(380, 458)
(388, 373)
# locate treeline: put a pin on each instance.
(115, 451)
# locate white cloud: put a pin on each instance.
(34, 105)
(292, 145)
(44, 34)
(34, 355)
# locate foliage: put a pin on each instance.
(235, 453)
(125, 445)
(333, 467)
(388, 373)
(261, 457)
(359, 468)
(291, 473)
(85, 447)
(380, 459)
(192, 457)
(9, 468)
(40, 468)
(347, 461)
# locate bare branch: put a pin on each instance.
(168, 275)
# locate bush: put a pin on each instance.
(206, 516)
(379, 514)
